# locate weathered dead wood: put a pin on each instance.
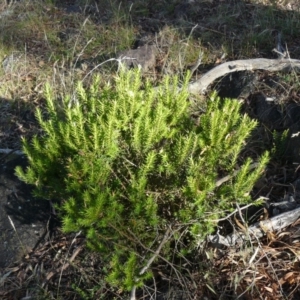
(11, 151)
(257, 230)
(200, 86)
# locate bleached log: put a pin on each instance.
(257, 230)
(200, 86)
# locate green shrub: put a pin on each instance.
(128, 166)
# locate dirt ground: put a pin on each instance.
(23, 219)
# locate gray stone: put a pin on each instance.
(143, 56)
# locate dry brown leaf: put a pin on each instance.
(260, 277)
(288, 275)
(275, 286)
(281, 281)
(297, 222)
(218, 61)
(270, 290)
(248, 279)
(49, 276)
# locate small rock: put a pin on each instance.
(143, 56)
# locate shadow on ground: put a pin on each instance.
(23, 219)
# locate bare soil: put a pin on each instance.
(23, 218)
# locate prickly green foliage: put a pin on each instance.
(125, 162)
(279, 142)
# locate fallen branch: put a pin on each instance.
(228, 177)
(8, 152)
(200, 86)
(11, 151)
(257, 230)
(150, 261)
